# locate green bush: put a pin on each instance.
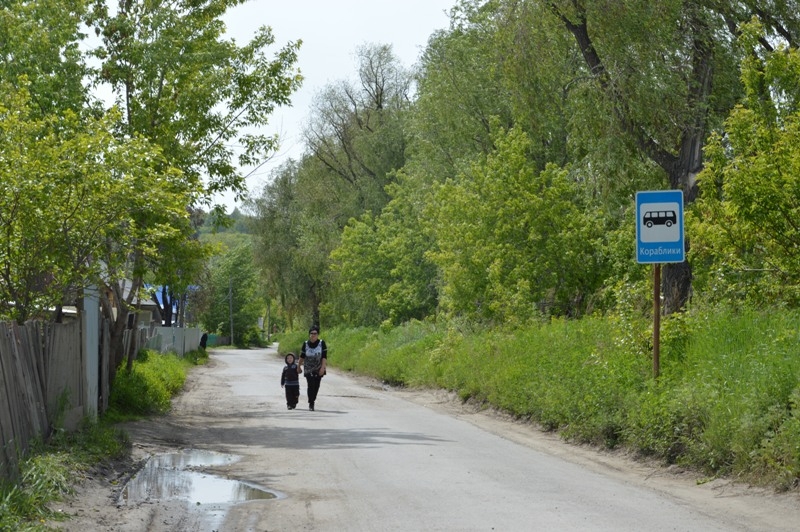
(778, 458)
(290, 342)
(198, 357)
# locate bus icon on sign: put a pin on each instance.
(668, 218)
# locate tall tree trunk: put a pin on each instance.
(116, 305)
(316, 300)
(164, 305)
(676, 282)
(683, 170)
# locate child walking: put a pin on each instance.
(290, 381)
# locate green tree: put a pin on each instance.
(356, 143)
(357, 131)
(513, 242)
(383, 266)
(66, 203)
(460, 91)
(624, 94)
(666, 74)
(39, 43)
(382, 269)
(180, 269)
(234, 302)
(745, 221)
(190, 91)
(362, 274)
(287, 249)
(193, 94)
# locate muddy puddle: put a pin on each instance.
(180, 476)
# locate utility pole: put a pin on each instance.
(230, 304)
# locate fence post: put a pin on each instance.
(90, 336)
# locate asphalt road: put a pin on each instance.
(371, 458)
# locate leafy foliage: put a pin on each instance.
(41, 45)
(70, 204)
(356, 142)
(357, 132)
(514, 242)
(383, 272)
(610, 99)
(288, 224)
(746, 219)
(233, 295)
(189, 90)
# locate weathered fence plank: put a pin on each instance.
(105, 358)
(65, 376)
(9, 448)
(12, 395)
(28, 350)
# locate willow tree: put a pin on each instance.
(287, 271)
(356, 142)
(667, 74)
(625, 93)
(460, 91)
(383, 265)
(357, 129)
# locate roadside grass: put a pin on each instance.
(44, 478)
(50, 469)
(148, 389)
(727, 402)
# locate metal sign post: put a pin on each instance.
(656, 320)
(659, 239)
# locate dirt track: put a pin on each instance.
(324, 467)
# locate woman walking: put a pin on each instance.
(314, 361)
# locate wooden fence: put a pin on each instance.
(47, 374)
(42, 378)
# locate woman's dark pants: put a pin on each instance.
(313, 387)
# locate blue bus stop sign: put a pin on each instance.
(659, 227)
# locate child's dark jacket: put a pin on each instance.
(289, 376)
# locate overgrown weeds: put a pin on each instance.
(727, 401)
(149, 387)
(49, 473)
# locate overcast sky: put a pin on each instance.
(331, 30)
